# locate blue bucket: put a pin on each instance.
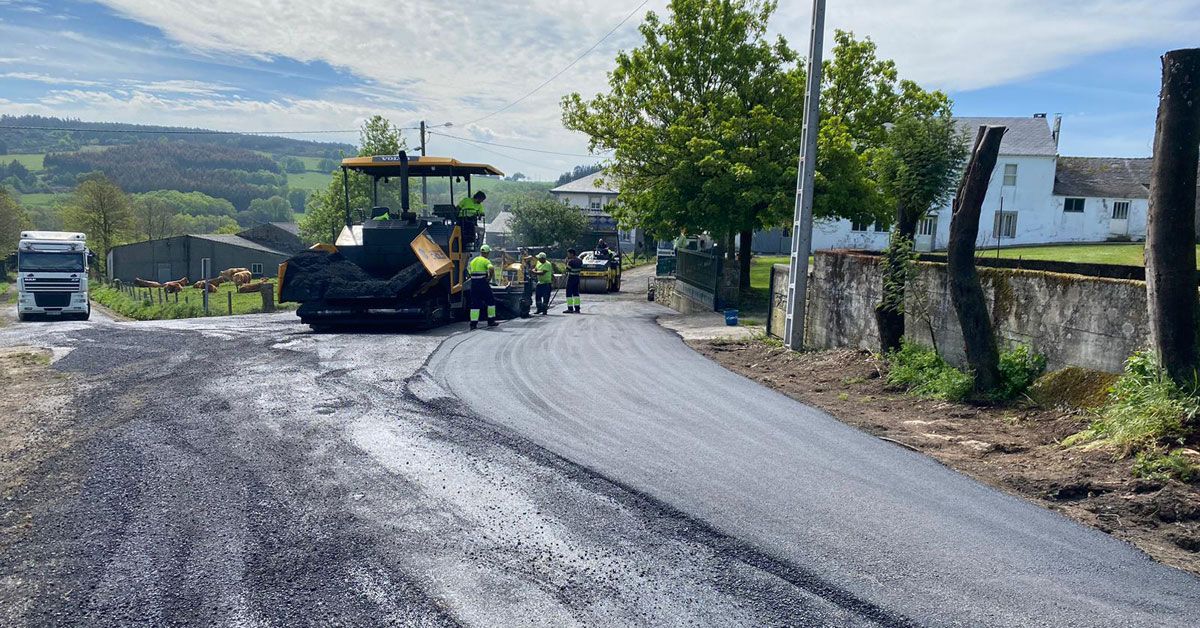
(731, 318)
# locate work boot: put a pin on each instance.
(493, 324)
(569, 310)
(474, 325)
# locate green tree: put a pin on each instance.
(153, 217)
(297, 198)
(292, 165)
(263, 210)
(101, 210)
(916, 168)
(547, 222)
(13, 221)
(183, 223)
(703, 119)
(325, 212)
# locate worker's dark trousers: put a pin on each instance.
(573, 299)
(467, 226)
(481, 297)
(543, 297)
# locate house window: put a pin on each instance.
(878, 228)
(926, 226)
(256, 269)
(1006, 225)
(1010, 174)
(595, 202)
(859, 225)
(1073, 205)
(1121, 210)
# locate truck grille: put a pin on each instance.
(56, 284)
(52, 299)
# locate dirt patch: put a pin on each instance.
(1014, 448)
(35, 424)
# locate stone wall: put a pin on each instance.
(1076, 320)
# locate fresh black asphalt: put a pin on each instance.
(586, 470)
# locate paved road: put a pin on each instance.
(244, 471)
(872, 528)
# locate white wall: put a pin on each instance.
(1095, 224)
(1039, 220)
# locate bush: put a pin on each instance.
(1019, 368)
(1145, 410)
(919, 370)
(1158, 465)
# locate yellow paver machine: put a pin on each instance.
(396, 269)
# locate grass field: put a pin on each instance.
(1124, 254)
(308, 181)
(32, 161)
(43, 199)
(144, 306)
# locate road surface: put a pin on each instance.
(584, 470)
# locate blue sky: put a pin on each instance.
(246, 65)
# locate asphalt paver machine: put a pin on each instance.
(395, 269)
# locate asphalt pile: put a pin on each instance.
(313, 275)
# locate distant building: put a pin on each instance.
(261, 249)
(499, 230)
(281, 236)
(592, 195)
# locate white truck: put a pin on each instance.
(52, 270)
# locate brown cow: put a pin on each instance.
(145, 283)
(242, 278)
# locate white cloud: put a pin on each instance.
(459, 61)
(45, 78)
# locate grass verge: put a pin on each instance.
(1122, 254)
(1149, 417)
(145, 306)
(920, 371)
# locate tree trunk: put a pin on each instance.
(889, 313)
(965, 291)
(1171, 235)
(745, 255)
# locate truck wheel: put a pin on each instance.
(23, 317)
(86, 315)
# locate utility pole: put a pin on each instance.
(793, 334)
(424, 188)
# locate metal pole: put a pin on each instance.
(205, 273)
(793, 334)
(424, 187)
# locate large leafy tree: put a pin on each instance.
(101, 210)
(703, 119)
(325, 211)
(153, 217)
(13, 220)
(547, 222)
(704, 123)
(916, 168)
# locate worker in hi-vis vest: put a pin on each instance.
(470, 211)
(545, 278)
(574, 266)
(481, 270)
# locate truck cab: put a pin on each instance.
(52, 271)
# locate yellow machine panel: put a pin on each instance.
(432, 257)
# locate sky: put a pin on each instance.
(314, 65)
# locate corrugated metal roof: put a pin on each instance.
(1024, 137)
(289, 227)
(235, 240)
(586, 185)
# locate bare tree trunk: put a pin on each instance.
(1171, 234)
(745, 255)
(965, 291)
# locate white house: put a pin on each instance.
(1016, 210)
(592, 195)
(1101, 198)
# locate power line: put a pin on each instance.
(170, 131)
(568, 66)
(496, 152)
(532, 150)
